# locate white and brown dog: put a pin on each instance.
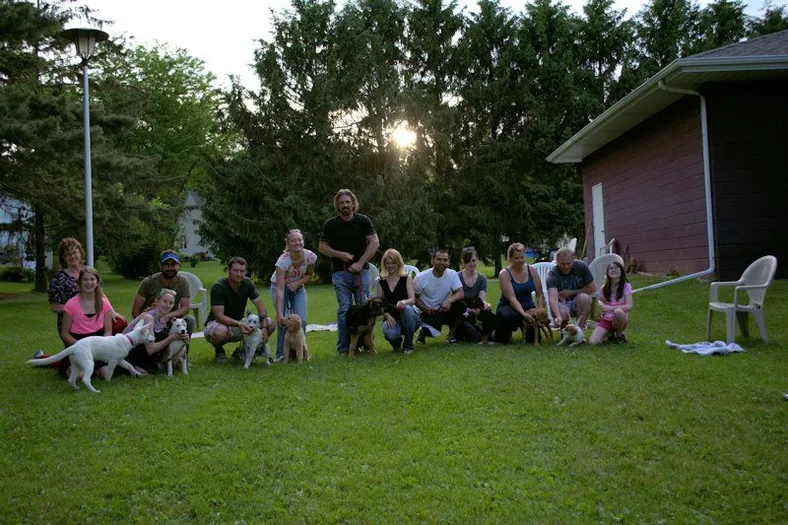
(254, 340)
(573, 335)
(295, 340)
(113, 350)
(178, 350)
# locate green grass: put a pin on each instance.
(636, 432)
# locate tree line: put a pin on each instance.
(487, 94)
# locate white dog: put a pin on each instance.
(573, 335)
(178, 350)
(113, 350)
(254, 340)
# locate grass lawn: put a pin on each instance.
(459, 433)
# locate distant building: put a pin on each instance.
(16, 244)
(188, 240)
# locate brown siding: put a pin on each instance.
(748, 144)
(652, 189)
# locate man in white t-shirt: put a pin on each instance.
(439, 296)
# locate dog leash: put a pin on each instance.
(355, 279)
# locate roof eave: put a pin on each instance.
(668, 75)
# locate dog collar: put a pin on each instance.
(130, 339)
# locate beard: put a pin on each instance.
(169, 274)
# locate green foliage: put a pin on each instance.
(16, 274)
(775, 18)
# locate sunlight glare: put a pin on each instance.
(403, 136)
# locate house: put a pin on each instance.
(188, 240)
(689, 172)
(16, 244)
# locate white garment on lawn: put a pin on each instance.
(435, 290)
(707, 348)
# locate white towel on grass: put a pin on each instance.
(707, 348)
(331, 327)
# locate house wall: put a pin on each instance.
(748, 146)
(653, 194)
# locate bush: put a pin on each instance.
(17, 274)
(137, 262)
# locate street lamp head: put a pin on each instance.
(85, 39)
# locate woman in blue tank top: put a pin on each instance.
(517, 281)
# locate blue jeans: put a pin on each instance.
(292, 302)
(405, 327)
(348, 287)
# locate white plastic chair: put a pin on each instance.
(544, 269)
(755, 280)
(412, 270)
(598, 269)
(374, 276)
(199, 297)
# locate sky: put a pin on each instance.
(224, 34)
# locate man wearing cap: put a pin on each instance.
(168, 277)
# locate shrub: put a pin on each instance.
(136, 262)
(16, 274)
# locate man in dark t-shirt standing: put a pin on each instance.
(228, 301)
(350, 240)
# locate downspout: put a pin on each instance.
(707, 184)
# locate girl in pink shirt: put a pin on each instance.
(87, 313)
(615, 302)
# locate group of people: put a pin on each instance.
(436, 297)
(83, 310)
(440, 296)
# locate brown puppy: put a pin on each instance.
(361, 323)
(295, 340)
(541, 325)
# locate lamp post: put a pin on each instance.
(85, 40)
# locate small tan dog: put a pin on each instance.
(573, 335)
(541, 325)
(295, 340)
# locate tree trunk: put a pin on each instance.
(41, 270)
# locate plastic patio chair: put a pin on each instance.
(755, 280)
(544, 268)
(199, 297)
(413, 271)
(374, 276)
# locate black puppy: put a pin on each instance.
(361, 323)
(486, 318)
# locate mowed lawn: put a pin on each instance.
(461, 433)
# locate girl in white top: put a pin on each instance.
(294, 269)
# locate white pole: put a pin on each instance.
(88, 175)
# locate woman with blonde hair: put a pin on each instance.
(294, 270)
(517, 282)
(144, 356)
(397, 288)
